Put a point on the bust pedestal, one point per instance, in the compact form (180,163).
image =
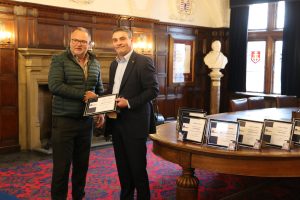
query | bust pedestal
(215,76)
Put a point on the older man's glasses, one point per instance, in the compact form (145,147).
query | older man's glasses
(82,42)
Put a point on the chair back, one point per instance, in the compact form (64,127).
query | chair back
(256,103)
(238,104)
(286,101)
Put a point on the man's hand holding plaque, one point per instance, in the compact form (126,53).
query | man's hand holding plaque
(121,102)
(101,104)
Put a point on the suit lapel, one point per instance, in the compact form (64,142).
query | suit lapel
(129,68)
(112,74)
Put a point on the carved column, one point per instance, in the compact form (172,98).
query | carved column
(215,76)
(187,185)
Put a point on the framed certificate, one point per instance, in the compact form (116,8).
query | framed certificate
(250,133)
(188,112)
(193,128)
(101,104)
(277,133)
(223,134)
(296,132)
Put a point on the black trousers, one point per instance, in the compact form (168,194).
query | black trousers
(130,154)
(71,142)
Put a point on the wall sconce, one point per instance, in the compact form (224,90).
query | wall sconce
(142,45)
(5,36)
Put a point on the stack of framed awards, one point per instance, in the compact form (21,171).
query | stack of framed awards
(193,126)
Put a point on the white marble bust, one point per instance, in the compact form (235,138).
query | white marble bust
(215,59)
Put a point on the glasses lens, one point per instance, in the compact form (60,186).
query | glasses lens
(75,41)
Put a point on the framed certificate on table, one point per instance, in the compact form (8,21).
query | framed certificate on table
(277,133)
(296,132)
(193,128)
(250,133)
(188,112)
(223,134)
(101,104)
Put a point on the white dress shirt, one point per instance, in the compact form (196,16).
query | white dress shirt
(122,63)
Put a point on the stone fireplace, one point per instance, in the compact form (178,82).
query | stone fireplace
(35,98)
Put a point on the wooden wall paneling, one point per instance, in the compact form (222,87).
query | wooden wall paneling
(162,84)
(106,19)
(82,18)
(22,31)
(7,62)
(105,59)
(51,14)
(22,34)
(102,39)
(161,64)
(50,36)
(170,105)
(161,44)
(8,101)
(9,129)
(32,40)
(181,30)
(9,91)
(124,21)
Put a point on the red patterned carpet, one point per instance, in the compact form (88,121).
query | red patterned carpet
(32,181)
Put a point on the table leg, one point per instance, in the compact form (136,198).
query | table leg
(187,185)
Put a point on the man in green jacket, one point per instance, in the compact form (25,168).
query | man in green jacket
(74,77)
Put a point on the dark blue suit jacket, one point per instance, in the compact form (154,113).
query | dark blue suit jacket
(139,86)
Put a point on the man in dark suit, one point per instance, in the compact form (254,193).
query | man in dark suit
(133,77)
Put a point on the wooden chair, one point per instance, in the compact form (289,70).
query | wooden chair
(256,103)
(286,101)
(238,104)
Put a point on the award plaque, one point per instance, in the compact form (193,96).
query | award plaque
(101,104)
(223,134)
(296,132)
(188,112)
(250,133)
(277,133)
(193,128)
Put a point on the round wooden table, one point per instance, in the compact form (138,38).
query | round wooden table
(267,162)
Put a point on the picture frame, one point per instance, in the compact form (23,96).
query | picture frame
(250,133)
(277,133)
(188,112)
(223,134)
(181,60)
(296,131)
(193,128)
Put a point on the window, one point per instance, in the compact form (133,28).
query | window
(265,28)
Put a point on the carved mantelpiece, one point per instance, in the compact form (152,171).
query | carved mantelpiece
(33,71)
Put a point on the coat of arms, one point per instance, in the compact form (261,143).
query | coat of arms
(255,56)
(184,6)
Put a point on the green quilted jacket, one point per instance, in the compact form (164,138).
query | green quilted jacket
(67,83)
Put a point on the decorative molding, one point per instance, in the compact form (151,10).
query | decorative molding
(20,10)
(83,1)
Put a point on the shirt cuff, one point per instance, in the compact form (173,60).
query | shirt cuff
(128,104)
